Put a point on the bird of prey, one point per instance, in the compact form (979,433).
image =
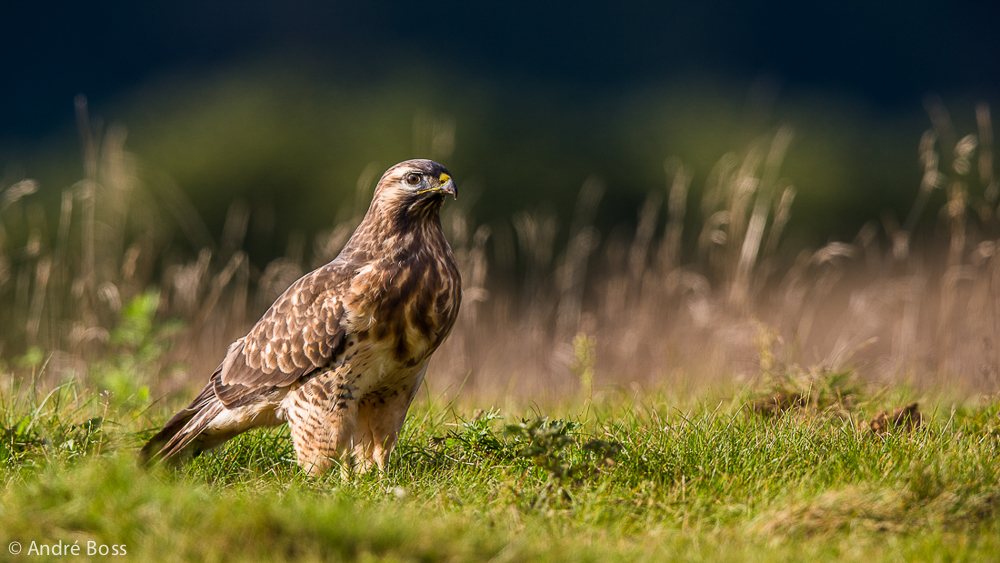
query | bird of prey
(341,353)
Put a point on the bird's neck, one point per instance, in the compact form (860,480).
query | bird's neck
(396,233)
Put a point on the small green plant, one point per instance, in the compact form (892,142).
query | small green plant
(553,447)
(474,442)
(138,347)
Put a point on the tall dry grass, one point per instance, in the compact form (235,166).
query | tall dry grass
(665,304)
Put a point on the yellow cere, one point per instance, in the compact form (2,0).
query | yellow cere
(444,178)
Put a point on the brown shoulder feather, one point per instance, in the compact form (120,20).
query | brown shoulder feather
(300,333)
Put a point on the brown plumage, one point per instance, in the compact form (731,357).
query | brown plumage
(341,353)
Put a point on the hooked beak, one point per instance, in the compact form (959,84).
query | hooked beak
(447,186)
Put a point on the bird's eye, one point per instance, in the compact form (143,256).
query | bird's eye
(413,178)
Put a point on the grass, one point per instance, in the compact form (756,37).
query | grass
(655,479)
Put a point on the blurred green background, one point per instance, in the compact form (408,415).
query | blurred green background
(296,109)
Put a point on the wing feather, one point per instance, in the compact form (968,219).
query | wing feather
(301,332)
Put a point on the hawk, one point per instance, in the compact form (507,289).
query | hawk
(341,353)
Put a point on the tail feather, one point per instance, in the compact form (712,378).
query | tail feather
(184,429)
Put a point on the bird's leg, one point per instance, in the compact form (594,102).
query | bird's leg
(361,453)
(367,448)
(323,419)
(330,440)
(380,419)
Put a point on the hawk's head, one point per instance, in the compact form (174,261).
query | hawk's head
(415,188)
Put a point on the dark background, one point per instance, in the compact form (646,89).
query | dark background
(542,95)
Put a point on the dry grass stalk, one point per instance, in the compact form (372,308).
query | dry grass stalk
(992,189)
(670,253)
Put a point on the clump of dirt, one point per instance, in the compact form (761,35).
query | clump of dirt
(779,403)
(903,419)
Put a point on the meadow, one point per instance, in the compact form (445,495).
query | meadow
(688,387)
(653,478)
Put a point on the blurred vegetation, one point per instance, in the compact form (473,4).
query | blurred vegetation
(296,143)
(602,241)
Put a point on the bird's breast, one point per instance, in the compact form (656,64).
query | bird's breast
(407,304)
